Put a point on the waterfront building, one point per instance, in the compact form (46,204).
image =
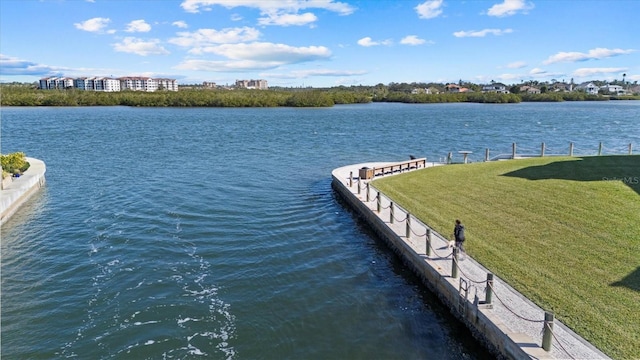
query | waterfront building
(109,84)
(252,84)
(52,83)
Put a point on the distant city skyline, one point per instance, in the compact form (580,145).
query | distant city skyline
(321,43)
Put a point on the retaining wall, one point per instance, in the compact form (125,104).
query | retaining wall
(19,190)
(502,332)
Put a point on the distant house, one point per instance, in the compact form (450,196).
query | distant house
(421,91)
(613,89)
(561,87)
(590,88)
(529,89)
(453,88)
(499,88)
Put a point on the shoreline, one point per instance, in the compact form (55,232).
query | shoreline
(498,327)
(20,190)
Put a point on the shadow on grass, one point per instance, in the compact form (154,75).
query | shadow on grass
(623,168)
(631,281)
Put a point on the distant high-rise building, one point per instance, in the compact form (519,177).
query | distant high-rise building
(252,84)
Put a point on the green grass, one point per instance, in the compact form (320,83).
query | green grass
(564,231)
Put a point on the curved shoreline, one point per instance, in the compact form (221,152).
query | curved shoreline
(20,190)
(496,326)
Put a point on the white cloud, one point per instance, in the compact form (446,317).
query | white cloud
(93,25)
(584,72)
(429,9)
(300,74)
(12,66)
(140,47)
(593,54)
(224,66)
(270,52)
(208,37)
(281,13)
(517,65)
(482,33)
(367,42)
(509,77)
(537,71)
(181,24)
(412,40)
(255,56)
(288,19)
(138,26)
(290,6)
(510,7)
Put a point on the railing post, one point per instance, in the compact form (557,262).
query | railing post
(351,179)
(408,230)
(513,150)
(630,149)
(427,244)
(391,213)
(489,294)
(600,149)
(571,149)
(486,154)
(454,263)
(548,331)
(379,202)
(359,187)
(542,151)
(368,193)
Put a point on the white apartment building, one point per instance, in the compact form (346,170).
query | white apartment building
(140,83)
(252,84)
(108,84)
(56,83)
(97,84)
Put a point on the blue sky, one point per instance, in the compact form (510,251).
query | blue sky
(321,43)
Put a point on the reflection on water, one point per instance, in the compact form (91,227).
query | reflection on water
(214,233)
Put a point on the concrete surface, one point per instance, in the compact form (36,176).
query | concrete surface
(511,326)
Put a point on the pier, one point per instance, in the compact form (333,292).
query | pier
(509,324)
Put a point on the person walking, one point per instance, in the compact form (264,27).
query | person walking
(458,234)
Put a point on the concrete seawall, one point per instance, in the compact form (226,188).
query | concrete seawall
(511,326)
(18,191)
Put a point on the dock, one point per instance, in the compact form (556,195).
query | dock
(507,323)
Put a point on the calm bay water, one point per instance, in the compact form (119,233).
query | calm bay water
(193,233)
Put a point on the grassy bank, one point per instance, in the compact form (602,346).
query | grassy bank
(563,231)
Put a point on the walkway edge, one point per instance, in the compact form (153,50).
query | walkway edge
(497,334)
(21,189)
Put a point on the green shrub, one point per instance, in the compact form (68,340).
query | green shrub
(14,163)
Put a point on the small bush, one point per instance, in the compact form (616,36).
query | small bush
(14,163)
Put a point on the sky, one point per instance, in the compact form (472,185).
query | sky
(322,43)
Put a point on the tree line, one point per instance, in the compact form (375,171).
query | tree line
(21,95)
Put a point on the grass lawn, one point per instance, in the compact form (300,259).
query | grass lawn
(564,231)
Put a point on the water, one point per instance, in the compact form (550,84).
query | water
(214,233)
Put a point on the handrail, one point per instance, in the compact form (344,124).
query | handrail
(400,166)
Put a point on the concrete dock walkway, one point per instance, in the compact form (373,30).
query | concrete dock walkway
(511,325)
(20,189)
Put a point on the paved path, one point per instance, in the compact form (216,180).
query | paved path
(18,191)
(511,310)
